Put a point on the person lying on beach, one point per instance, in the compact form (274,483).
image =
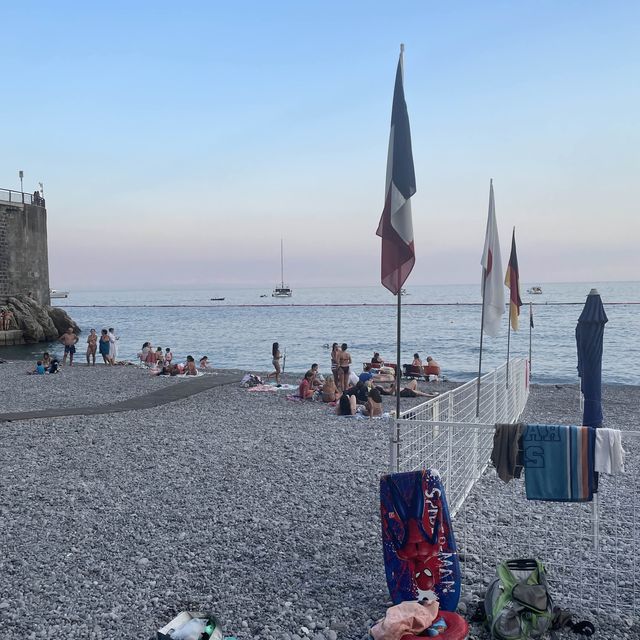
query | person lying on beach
(330,392)
(204,363)
(373,406)
(416,360)
(305,389)
(410,390)
(346,405)
(190,367)
(69,340)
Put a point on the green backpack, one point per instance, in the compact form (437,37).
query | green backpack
(518,605)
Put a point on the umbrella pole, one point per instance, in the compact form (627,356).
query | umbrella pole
(398,369)
(484,282)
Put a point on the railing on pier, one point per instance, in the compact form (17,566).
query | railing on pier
(19,197)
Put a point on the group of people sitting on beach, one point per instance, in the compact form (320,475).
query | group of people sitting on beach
(349,392)
(46,364)
(161,362)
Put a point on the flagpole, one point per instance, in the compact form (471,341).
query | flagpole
(530,327)
(398,366)
(508,345)
(484,285)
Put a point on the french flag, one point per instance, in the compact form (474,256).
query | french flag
(396,227)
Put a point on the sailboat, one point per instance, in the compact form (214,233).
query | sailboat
(283,291)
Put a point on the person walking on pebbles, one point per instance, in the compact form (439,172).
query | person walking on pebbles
(69,340)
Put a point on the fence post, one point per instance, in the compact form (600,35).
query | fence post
(394,445)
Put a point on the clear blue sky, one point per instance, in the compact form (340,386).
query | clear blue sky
(178,142)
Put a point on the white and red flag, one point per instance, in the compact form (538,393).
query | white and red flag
(492,279)
(396,227)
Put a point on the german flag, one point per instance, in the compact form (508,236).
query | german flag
(512,280)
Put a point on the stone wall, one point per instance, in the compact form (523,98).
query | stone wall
(24,258)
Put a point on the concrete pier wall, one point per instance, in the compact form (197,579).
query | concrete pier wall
(24,258)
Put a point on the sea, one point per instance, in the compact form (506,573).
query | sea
(442,321)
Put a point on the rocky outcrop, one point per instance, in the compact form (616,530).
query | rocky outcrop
(38,323)
(61,320)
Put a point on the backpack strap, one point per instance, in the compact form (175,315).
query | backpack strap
(563,619)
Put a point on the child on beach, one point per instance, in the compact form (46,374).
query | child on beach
(168,356)
(92,346)
(204,363)
(159,356)
(39,370)
(190,367)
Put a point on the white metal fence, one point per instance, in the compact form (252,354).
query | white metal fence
(591,550)
(436,433)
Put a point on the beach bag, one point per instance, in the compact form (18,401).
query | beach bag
(518,605)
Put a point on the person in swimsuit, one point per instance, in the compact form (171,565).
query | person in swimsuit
(92,346)
(373,406)
(376,358)
(204,362)
(329,391)
(335,350)
(46,359)
(168,356)
(69,340)
(275,360)
(409,391)
(190,367)
(416,360)
(104,345)
(159,356)
(344,362)
(346,405)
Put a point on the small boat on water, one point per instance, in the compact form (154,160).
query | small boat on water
(54,293)
(283,291)
(403,292)
(536,291)
(217,299)
(263,295)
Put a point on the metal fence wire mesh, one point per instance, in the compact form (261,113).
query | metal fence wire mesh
(591,550)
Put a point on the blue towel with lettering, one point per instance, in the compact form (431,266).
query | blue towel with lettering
(558,462)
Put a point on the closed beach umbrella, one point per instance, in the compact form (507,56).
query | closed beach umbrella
(589,338)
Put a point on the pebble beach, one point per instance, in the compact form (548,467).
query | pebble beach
(262,510)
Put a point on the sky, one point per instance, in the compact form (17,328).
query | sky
(178,142)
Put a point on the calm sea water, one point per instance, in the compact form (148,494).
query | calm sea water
(239,336)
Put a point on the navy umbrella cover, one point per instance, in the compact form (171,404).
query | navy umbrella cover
(589,339)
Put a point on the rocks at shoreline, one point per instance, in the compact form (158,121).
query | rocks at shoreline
(38,323)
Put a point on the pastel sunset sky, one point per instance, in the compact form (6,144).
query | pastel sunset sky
(177,142)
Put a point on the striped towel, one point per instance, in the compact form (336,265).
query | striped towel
(558,462)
